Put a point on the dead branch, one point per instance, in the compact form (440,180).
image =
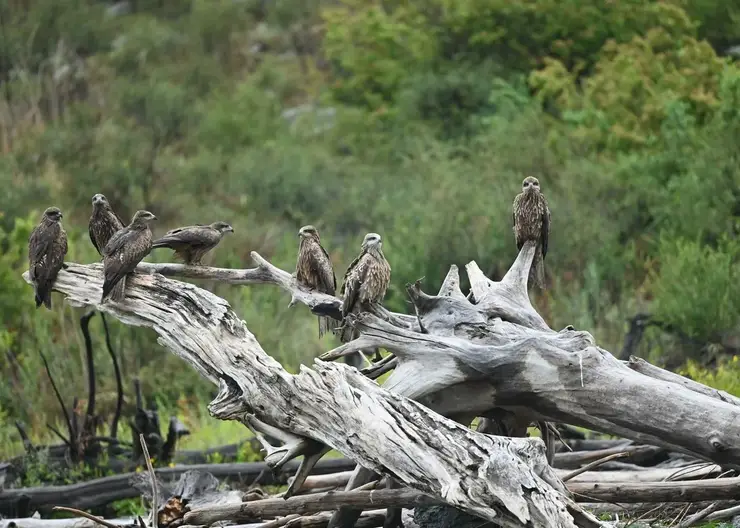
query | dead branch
(98,520)
(643,367)
(153,479)
(315,502)
(687,491)
(592,465)
(119,379)
(67,418)
(88,422)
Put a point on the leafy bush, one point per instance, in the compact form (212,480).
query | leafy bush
(624,103)
(697,288)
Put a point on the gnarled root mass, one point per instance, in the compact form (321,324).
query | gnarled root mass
(489,355)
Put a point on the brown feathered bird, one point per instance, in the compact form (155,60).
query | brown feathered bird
(365,282)
(123,253)
(104,223)
(191,243)
(47,247)
(314,269)
(532,222)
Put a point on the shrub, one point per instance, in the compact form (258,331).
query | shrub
(697,289)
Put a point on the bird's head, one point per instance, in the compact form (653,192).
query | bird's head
(372,241)
(308,231)
(142,218)
(53,214)
(222,227)
(99,200)
(530,184)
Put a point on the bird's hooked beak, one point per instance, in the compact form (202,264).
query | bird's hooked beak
(229,229)
(154,217)
(60,215)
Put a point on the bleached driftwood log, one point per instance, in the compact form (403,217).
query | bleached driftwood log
(495,478)
(474,357)
(463,358)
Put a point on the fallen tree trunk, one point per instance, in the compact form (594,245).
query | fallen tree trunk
(490,356)
(495,478)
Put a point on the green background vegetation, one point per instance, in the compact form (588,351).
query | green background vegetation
(421,119)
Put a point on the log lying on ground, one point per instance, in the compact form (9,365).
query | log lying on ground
(495,478)
(100,492)
(313,503)
(691,491)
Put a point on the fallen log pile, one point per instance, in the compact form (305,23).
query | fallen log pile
(488,354)
(194,500)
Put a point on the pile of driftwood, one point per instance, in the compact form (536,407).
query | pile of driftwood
(488,354)
(630,482)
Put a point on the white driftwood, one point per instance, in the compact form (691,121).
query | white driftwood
(506,479)
(313,503)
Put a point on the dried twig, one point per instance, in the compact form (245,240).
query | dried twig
(119,380)
(59,398)
(89,420)
(698,517)
(86,515)
(594,464)
(153,478)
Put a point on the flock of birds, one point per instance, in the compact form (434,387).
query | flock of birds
(366,280)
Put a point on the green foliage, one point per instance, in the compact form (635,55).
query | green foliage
(726,376)
(374,49)
(624,103)
(697,288)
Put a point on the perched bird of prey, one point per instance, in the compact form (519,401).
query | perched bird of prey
(123,253)
(532,222)
(313,269)
(47,247)
(365,283)
(191,243)
(104,222)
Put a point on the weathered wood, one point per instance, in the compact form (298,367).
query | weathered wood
(99,492)
(643,367)
(686,491)
(493,477)
(553,379)
(574,459)
(315,502)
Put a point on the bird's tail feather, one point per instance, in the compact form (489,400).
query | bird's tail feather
(43,296)
(115,290)
(327,324)
(537,271)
